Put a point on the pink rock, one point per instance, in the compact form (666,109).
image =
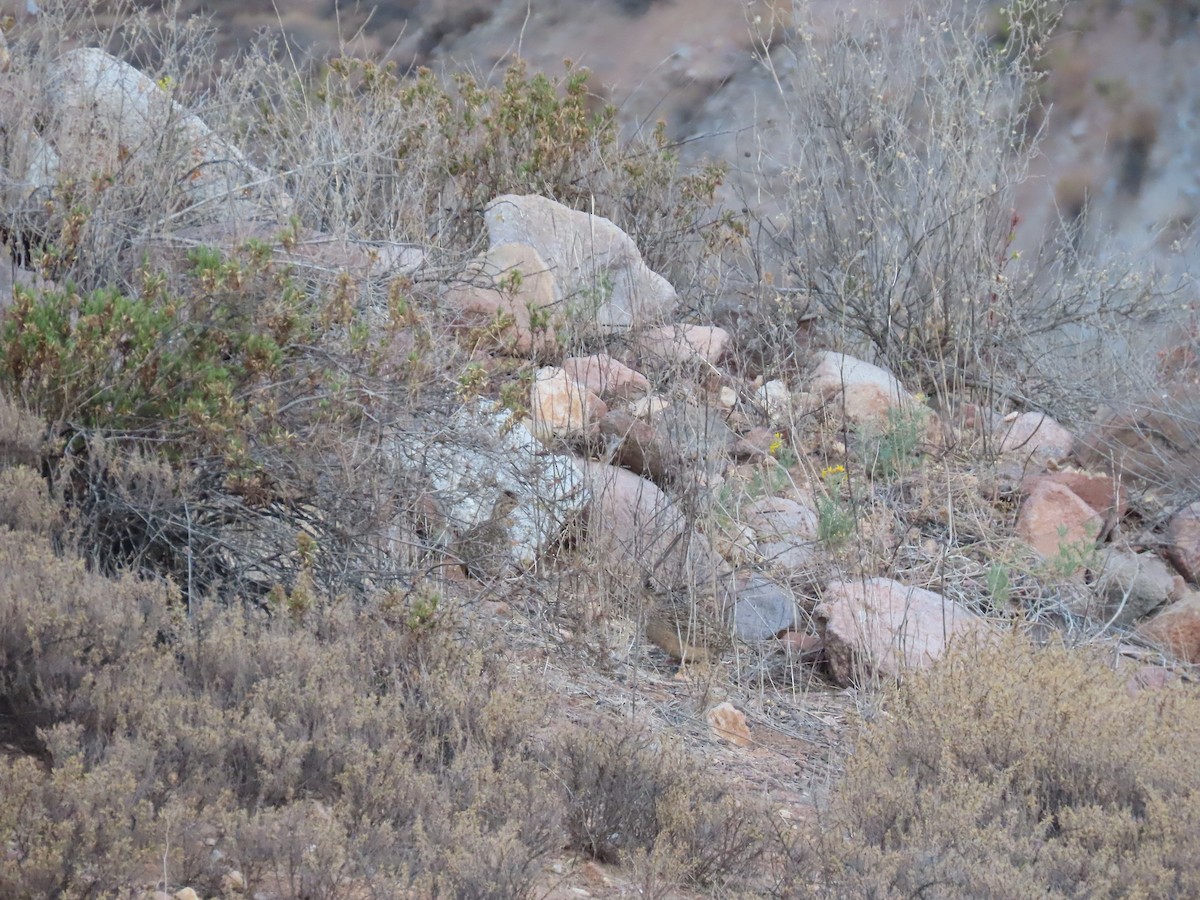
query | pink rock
(561,406)
(1054,516)
(1101,492)
(1177,628)
(864,392)
(836,370)
(507,298)
(879,626)
(1184,535)
(634,530)
(1035,436)
(606,377)
(676,344)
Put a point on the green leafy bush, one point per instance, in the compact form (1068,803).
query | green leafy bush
(161,363)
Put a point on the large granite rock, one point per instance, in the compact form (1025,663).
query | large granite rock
(603,278)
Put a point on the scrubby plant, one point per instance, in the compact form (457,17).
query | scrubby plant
(161,363)
(346,744)
(910,142)
(836,519)
(891,447)
(1009,770)
(418,158)
(630,797)
(1073,556)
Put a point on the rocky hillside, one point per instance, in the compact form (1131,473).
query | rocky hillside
(415,485)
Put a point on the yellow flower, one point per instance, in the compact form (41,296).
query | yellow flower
(832,471)
(776,444)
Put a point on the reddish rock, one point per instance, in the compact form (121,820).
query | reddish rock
(729,724)
(1034,436)
(881,627)
(677,344)
(606,377)
(1184,535)
(560,406)
(1177,628)
(498,297)
(1054,516)
(1101,492)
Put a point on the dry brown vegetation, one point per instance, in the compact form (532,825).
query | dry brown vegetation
(228,642)
(1014,771)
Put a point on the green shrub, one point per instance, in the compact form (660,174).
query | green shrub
(891,447)
(160,364)
(837,505)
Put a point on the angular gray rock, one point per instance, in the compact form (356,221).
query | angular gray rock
(1134,584)
(762,610)
(786,531)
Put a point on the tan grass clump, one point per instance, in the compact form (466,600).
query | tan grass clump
(1013,771)
(634,799)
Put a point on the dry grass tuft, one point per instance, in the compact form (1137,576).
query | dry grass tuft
(1015,771)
